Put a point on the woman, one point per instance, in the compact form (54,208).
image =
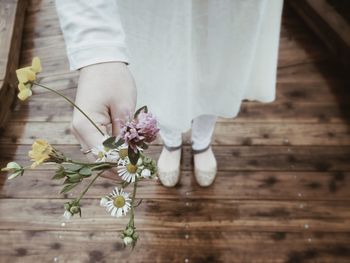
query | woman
(192,61)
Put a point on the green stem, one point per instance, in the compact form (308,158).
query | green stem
(92,164)
(72,103)
(131,222)
(103,165)
(88,186)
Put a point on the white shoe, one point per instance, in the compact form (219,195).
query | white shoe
(169,165)
(205,166)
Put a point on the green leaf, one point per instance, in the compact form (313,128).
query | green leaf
(139,110)
(110,143)
(119,142)
(68,187)
(133,156)
(15,174)
(85,171)
(59,174)
(72,167)
(72,180)
(74,176)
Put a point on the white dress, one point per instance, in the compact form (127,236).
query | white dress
(188,57)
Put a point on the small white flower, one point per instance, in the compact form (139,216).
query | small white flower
(128,240)
(103,201)
(117,203)
(127,171)
(146,173)
(67,215)
(105,155)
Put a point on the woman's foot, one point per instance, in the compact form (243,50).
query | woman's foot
(205,166)
(169,165)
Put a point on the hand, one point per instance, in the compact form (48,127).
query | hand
(106,91)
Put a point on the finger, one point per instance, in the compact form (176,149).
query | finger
(117,116)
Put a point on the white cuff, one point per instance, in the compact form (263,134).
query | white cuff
(97,53)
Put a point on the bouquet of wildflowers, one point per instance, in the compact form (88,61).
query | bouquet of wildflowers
(124,152)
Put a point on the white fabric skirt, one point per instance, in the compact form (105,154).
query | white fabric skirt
(193,57)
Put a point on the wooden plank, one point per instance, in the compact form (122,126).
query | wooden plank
(237,158)
(320,77)
(225,133)
(235,185)
(328,25)
(11,25)
(281,111)
(172,246)
(325,99)
(163,214)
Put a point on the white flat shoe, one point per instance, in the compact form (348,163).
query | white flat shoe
(172,177)
(205,177)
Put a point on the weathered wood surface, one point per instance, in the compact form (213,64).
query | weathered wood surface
(11,27)
(281,195)
(330,26)
(230,158)
(173,246)
(231,185)
(226,133)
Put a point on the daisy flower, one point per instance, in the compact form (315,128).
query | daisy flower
(105,155)
(117,203)
(128,171)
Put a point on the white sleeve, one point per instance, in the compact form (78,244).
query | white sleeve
(92,31)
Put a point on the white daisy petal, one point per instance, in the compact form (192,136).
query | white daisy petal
(119,212)
(118,202)
(114,211)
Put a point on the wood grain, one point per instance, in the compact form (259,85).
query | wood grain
(281,194)
(231,185)
(172,246)
(11,26)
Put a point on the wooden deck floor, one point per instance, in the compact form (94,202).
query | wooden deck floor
(282,192)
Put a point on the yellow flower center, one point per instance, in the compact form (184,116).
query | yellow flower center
(123,153)
(100,155)
(131,168)
(119,201)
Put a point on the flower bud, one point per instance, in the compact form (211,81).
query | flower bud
(135,235)
(128,240)
(129,231)
(103,201)
(146,173)
(153,162)
(67,214)
(67,206)
(147,160)
(74,209)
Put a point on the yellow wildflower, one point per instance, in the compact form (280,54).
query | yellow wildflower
(36,65)
(41,151)
(25,75)
(24,91)
(25,78)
